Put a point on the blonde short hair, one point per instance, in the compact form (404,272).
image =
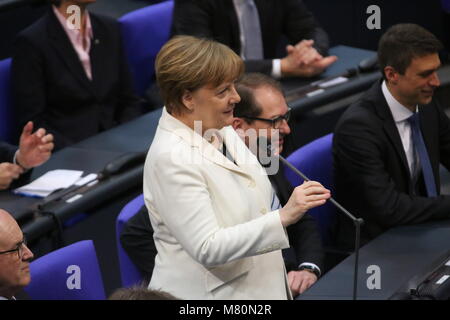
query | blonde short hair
(188,63)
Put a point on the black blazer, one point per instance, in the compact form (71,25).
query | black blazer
(51,88)
(371,170)
(7,152)
(217,19)
(306,246)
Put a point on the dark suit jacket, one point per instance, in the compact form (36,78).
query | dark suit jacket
(371,170)
(51,88)
(137,240)
(7,152)
(306,246)
(217,19)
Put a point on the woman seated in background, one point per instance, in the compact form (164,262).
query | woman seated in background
(208,197)
(72,79)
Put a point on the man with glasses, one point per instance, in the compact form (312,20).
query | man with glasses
(15,258)
(263,108)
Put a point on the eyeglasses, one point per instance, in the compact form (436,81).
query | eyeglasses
(19,249)
(276,123)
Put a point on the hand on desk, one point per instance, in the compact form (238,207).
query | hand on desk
(303,60)
(34,148)
(300,281)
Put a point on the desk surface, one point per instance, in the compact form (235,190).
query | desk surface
(87,160)
(133,136)
(348,58)
(401,253)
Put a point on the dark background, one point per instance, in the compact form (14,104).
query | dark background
(344,20)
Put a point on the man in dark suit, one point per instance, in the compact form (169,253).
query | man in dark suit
(262,98)
(387,146)
(72,79)
(34,149)
(263,111)
(255,30)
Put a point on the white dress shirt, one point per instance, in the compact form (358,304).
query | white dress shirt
(400,113)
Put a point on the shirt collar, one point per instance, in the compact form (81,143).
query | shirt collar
(74,32)
(399,112)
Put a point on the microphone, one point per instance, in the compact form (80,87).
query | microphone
(265,146)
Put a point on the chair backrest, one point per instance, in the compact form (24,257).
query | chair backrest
(315,160)
(69,273)
(144,32)
(6,112)
(129,273)
(446,5)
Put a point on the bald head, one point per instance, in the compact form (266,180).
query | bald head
(8,228)
(14,257)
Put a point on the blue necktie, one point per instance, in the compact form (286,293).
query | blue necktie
(424,159)
(252,31)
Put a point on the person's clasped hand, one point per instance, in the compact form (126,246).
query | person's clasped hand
(303,60)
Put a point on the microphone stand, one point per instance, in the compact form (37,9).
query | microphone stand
(356,221)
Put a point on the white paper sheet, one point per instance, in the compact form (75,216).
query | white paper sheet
(86,179)
(333,82)
(49,182)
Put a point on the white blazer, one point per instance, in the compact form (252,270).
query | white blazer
(215,234)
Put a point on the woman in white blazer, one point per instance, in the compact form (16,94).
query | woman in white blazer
(215,233)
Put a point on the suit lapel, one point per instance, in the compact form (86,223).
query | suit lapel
(99,50)
(245,160)
(393,135)
(62,45)
(389,125)
(205,148)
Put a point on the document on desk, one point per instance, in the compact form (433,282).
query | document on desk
(49,182)
(333,82)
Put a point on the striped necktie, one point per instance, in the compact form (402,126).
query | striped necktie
(253,48)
